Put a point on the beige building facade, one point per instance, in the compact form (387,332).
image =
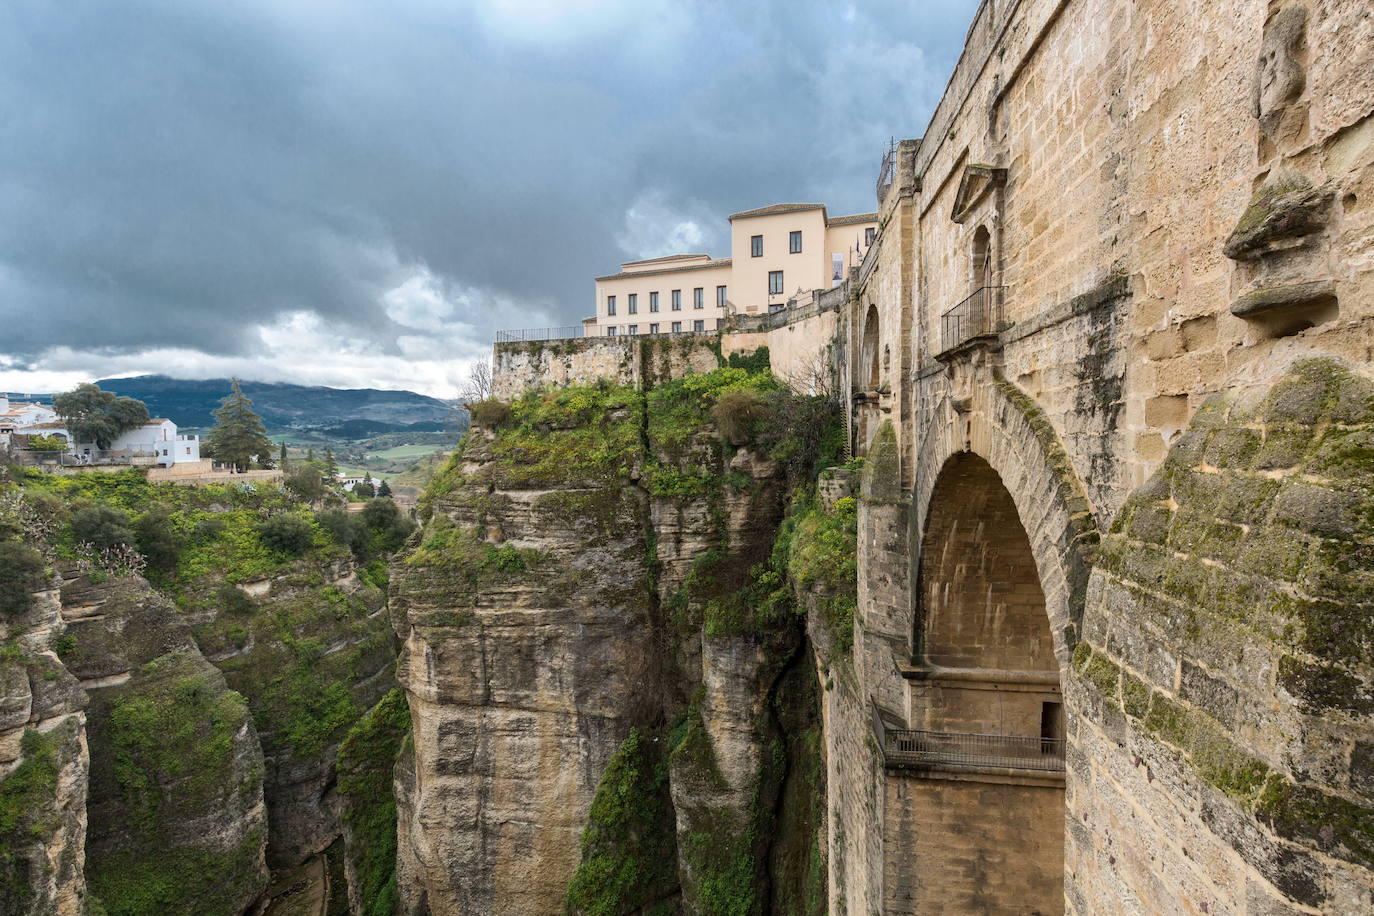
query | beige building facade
(776,253)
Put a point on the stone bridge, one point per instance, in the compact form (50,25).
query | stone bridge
(1110,367)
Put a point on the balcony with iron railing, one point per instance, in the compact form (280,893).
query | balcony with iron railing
(909,747)
(978,315)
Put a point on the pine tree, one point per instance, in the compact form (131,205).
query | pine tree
(310,455)
(384,489)
(238,436)
(281,459)
(331,467)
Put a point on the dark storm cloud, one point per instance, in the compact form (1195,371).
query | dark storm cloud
(176,174)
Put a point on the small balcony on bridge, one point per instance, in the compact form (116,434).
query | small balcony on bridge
(910,748)
(978,316)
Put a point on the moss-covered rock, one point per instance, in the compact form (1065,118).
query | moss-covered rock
(177,824)
(1249,559)
(365,770)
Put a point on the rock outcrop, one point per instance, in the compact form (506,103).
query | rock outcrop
(177,822)
(595,626)
(43,766)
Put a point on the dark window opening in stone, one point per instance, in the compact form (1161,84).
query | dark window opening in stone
(981,260)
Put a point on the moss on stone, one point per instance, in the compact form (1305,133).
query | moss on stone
(28,814)
(881,481)
(366,761)
(1097,669)
(1334,824)
(167,747)
(629,846)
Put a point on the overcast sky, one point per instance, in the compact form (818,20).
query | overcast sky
(359,194)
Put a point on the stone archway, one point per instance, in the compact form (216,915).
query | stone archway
(983,757)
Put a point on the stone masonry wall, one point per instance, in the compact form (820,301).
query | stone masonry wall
(1174,199)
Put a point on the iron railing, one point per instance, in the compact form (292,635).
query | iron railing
(562,333)
(887,172)
(1021,752)
(975,316)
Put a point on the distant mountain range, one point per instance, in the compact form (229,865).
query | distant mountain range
(190,403)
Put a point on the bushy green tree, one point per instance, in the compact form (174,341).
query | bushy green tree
(102,526)
(22,571)
(157,539)
(93,415)
(346,528)
(305,482)
(384,489)
(387,527)
(238,436)
(288,534)
(364,489)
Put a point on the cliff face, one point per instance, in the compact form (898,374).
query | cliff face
(44,761)
(215,693)
(177,820)
(595,629)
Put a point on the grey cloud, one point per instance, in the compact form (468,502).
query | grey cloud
(176,173)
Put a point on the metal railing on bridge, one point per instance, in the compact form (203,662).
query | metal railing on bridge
(568,331)
(908,747)
(976,316)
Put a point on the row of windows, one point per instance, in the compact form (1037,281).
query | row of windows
(794,244)
(656,328)
(698,300)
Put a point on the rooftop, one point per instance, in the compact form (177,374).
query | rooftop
(666,258)
(775,209)
(851,220)
(695,265)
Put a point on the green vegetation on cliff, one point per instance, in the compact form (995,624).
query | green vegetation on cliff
(629,850)
(366,761)
(169,748)
(27,797)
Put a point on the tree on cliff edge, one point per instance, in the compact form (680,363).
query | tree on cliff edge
(93,415)
(239,436)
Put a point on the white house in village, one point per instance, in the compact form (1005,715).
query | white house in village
(157,438)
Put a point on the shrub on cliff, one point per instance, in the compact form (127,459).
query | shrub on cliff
(737,415)
(629,847)
(489,414)
(286,534)
(101,526)
(22,572)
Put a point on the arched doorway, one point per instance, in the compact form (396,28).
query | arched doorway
(869,356)
(985,740)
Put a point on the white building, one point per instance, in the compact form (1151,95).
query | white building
(157,438)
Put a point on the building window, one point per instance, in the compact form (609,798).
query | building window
(720,297)
(677,327)
(677,300)
(774,282)
(698,325)
(632,329)
(698,298)
(869,235)
(794,243)
(610,332)
(756,246)
(653,328)
(634,303)
(653,302)
(610,305)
